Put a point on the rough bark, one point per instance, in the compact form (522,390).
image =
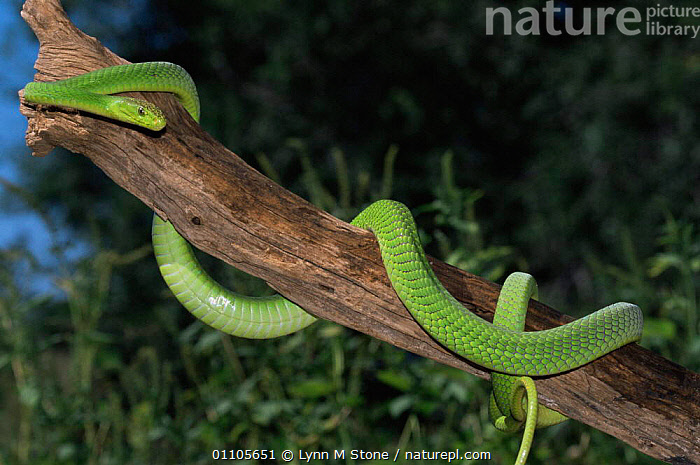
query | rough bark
(227,209)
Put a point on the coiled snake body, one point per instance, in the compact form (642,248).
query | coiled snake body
(504,347)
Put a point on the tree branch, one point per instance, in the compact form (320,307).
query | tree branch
(227,209)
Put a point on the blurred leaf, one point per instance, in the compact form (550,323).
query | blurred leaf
(396,379)
(659,327)
(311,388)
(663,261)
(29,395)
(401,404)
(264,412)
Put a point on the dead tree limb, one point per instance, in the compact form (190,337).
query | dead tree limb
(229,210)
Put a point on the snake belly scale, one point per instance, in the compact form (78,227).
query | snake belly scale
(503,347)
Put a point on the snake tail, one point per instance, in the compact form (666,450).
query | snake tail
(513,403)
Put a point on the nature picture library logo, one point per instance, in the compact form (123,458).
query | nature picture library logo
(658,20)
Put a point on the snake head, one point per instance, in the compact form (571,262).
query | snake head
(138,112)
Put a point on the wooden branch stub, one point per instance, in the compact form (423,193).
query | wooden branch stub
(229,210)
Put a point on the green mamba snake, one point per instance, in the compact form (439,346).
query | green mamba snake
(503,347)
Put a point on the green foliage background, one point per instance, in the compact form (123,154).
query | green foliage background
(573,158)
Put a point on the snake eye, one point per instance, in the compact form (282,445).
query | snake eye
(141,111)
